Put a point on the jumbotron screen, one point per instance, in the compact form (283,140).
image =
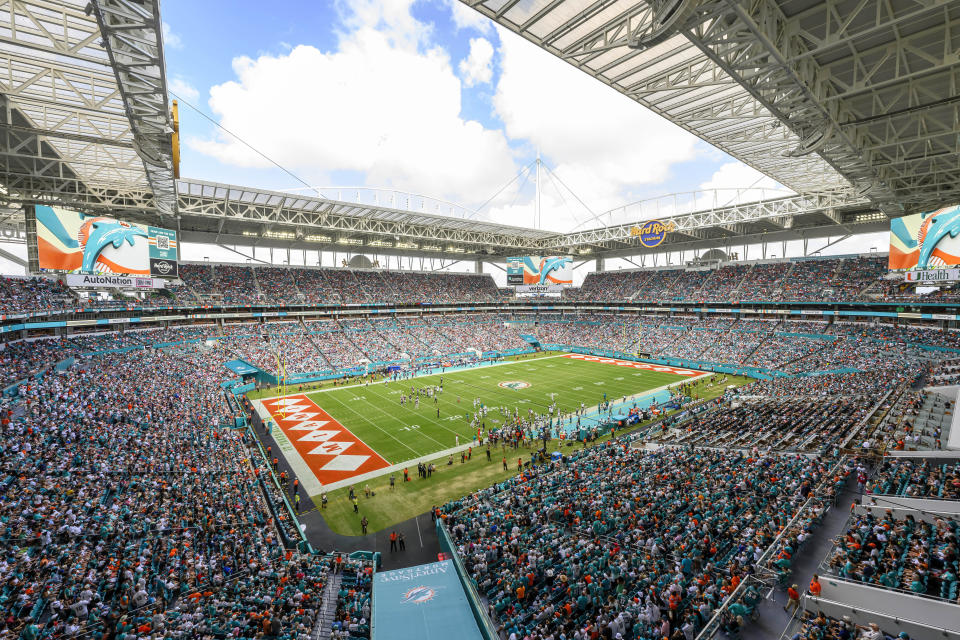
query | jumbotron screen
(76,242)
(926,240)
(540,270)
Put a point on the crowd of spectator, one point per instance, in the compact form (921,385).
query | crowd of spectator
(793,424)
(129,505)
(945,372)
(906,553)
(583,546)
(24,295)
(861,278)
(324,345)
(130,508)
(917,478)
(819,626)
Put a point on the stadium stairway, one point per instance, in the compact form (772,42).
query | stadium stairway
(256,284)
(328,610)
(323,357)
(298,295)
(393,292)
(783,366)
(759,344)
(346,338)
(773,619)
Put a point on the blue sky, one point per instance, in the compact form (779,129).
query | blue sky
(427,97)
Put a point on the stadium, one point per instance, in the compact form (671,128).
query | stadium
(352,413)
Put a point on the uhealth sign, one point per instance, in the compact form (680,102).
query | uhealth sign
(652,232)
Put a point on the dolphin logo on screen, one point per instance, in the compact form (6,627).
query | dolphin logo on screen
(99,233)
(937,227)
(552,264)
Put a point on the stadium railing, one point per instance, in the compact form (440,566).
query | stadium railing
(713,625)
(290,511)
(862,616)
(863,422)
(487,628)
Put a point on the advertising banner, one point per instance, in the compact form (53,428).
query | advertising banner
(926,240)
(540,270)
(541,290)
(933,275)
(76,242)
(75,280)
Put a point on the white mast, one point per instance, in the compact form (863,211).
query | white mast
(536,211)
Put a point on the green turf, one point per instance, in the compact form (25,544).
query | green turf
(388,508)
(271,391)
(400,433)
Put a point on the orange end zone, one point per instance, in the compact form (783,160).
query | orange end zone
(649,366)
(331,451)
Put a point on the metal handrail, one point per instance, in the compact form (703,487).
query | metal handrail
(938,631)
(713,624)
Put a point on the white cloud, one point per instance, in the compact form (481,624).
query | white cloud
(603,145)
(466,18)
(391,18)
(170,39)
(183,88)
(380,104)
(477,67)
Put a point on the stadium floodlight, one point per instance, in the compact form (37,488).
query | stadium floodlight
(279,235)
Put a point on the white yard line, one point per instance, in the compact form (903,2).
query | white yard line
(399,467)
(412,462)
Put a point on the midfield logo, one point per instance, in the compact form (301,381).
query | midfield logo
(516,385)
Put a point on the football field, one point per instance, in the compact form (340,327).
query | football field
(340,434)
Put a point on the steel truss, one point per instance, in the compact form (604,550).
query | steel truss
(65,119)
(132,37)
(233,210)
(729,223)
(817,95)
(217,212)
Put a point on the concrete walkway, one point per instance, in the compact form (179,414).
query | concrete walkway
(773,619)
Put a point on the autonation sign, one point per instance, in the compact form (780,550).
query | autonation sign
(118,282)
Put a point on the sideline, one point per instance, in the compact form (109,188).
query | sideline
(595,416)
